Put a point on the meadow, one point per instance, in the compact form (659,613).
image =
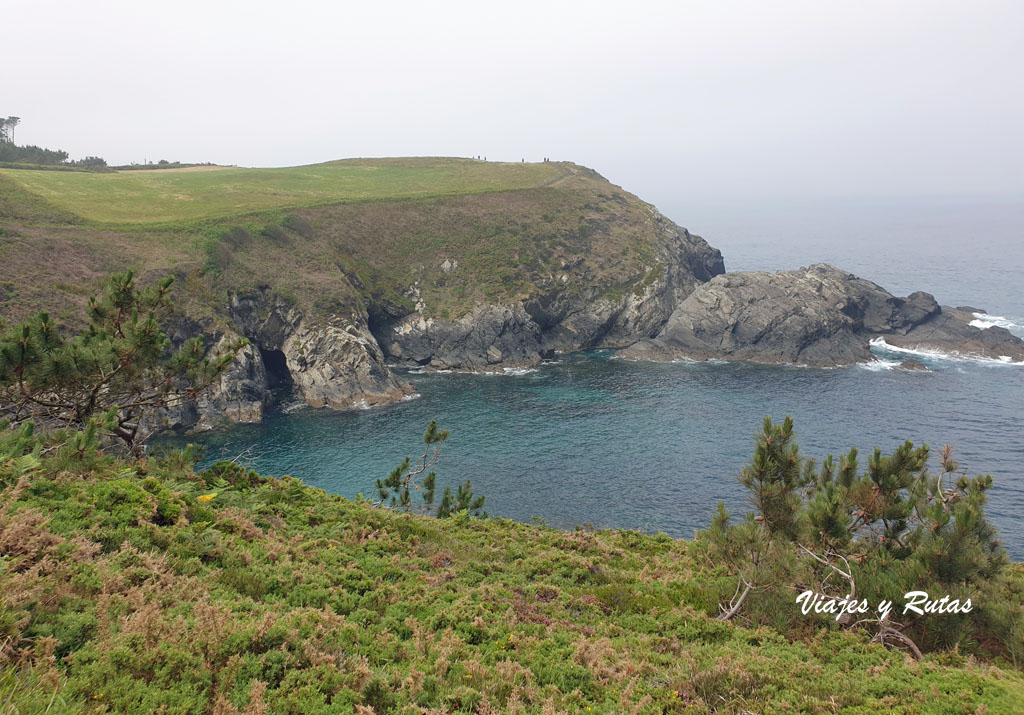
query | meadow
(203,192)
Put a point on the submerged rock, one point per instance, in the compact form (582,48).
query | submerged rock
(912,364)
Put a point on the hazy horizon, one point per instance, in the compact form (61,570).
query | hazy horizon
(676,102)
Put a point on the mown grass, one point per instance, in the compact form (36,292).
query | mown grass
(123,591)
(186,194)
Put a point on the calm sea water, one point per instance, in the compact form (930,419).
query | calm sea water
(589,439)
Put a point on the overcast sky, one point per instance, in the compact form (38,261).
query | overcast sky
(710,100)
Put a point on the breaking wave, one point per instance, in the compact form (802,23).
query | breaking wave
(939,355)
(984,320)
(879,365)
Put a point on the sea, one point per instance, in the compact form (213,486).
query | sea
(595,441)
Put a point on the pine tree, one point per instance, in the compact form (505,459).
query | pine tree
(121,365)
(877,535)
(396,489)
(774,477)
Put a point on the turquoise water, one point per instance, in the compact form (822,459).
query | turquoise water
(589,439)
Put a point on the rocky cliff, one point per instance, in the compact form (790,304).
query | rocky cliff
(569,312)
(324,361)
(343,360)
(819,316)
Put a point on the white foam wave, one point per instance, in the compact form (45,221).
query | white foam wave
(515,371)
(505,371)
(878,365)
(293,406)
(953,356)
(984,321)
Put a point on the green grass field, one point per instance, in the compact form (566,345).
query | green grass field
(161,196)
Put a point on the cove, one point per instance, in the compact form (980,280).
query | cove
(591,440)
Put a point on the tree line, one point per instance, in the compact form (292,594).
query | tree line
(32,154)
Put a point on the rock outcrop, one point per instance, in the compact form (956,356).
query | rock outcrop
(331,361)
(565,316)
(488,335)
(913,365)
(339,364)
(818,316)
(242,392)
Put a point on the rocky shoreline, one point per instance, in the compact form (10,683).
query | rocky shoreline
(818,316)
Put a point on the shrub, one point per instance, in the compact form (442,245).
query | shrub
(222,254)
(274,233)
(296,223)
(236,237)
(396,489)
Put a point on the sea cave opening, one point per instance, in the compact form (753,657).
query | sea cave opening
(279,379)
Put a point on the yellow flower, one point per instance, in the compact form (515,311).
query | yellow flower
(206,497)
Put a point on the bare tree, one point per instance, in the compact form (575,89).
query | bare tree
(7,128)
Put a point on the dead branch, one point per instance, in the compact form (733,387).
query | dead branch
(734,602)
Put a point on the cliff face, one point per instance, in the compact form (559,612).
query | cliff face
(331,361)
(342,360)
(819,316)
(569,312)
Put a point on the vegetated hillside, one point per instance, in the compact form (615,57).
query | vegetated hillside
(145,587)
(323,236)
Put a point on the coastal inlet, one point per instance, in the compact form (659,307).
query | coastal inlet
(587,439)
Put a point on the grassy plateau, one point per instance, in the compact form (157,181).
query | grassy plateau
(165,195)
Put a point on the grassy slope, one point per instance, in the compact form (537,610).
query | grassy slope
(122,592)
(385,224)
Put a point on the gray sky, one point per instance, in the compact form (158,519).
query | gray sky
(704,100)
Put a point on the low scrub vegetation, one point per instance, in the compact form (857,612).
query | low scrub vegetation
(141,585)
